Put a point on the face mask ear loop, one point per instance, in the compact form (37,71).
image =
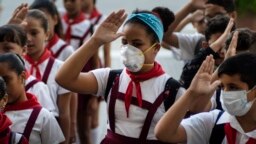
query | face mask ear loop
(149,48)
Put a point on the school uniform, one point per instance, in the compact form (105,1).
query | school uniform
(45,69)
(37,124)
(199,129)
(6,135)
(135,123)
(77,30)
(40,90)
(59,48)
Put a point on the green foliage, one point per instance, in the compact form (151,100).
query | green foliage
(245,6)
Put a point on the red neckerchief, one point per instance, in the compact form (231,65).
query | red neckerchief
(95,13)
(52,42)
(136,79)
(35,64)
(4,129)
(28,104)
(231,135)
(70,22)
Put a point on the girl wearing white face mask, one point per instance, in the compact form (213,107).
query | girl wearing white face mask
(136,98)
(237,125)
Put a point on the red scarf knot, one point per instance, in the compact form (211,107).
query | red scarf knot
(35,64)
(231,135)
(70,22)
(135,80)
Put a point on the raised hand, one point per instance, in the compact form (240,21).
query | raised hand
(198,4)
(232,46)
(107,31)
(220,42)
(201,84)
(19,14)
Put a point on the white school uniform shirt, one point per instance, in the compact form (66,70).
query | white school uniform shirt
(187,44)
(42,93)
(78,29)
(65,53)
(54,88)
(45,131)
(151,89)
(199,127)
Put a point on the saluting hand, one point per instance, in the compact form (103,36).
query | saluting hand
(201,84)
(107,31)
(19,14)
(220,42)
(232,46)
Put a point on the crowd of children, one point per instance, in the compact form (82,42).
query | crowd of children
(52,80)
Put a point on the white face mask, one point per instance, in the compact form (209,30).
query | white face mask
(132,57)
(235,102)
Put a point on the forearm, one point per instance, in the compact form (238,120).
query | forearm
(178,18)
(72,67)
(168,128)
(182,24)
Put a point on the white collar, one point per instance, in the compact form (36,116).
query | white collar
(227,118)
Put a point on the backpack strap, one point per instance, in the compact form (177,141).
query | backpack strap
(48,70)
(89,31)
(31,122)
(31,84)
(60,50)
(218,132)
(111,77)
(171,88)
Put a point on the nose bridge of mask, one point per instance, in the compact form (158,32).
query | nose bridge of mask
(149,48)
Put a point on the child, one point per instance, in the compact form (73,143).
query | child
(59,48)
(235,125)
(44,67)
(13,39)
(6,135)
(136,97)
(37,124)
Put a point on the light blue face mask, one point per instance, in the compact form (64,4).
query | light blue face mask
(236,102)
(152,21)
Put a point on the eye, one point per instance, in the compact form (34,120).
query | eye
(138,45)
(124,41)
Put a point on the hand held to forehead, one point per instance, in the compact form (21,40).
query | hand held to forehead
(107,31)
(219,43)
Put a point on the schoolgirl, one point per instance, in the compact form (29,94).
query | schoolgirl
(37,124)
(13,39)
(6,135)
(138,96)
(43,66)
(58,47)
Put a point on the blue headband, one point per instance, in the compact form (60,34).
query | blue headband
(152,21)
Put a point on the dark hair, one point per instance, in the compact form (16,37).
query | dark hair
(13,33)
(39,15)
(148,29)
(167,16)
(51,9)
(215,25)
(94,2)
(246,38)
(2,87)
(228,5)
(14,61)
(244,65)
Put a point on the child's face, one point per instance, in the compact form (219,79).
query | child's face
(136,35)
(14,82)
(234,83)
(36,35)
(73,7)
(6,47)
